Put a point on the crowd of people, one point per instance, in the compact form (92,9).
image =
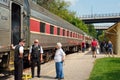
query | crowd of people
(85,46)
(105,47)
(35,56)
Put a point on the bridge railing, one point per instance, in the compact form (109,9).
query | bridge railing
(94,16)
(101,27)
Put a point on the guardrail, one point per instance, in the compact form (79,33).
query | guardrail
(102,27)
(94,16)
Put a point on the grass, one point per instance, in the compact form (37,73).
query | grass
(106,69)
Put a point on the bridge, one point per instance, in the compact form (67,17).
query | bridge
(101,18)
(101,27)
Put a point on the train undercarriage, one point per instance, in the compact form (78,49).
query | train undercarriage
(7,58)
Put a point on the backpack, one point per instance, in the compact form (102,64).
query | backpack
(35,52)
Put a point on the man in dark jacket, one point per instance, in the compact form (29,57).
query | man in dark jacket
(18,59)
(35,57)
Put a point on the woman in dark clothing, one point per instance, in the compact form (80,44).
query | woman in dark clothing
(105,47)
(110,48)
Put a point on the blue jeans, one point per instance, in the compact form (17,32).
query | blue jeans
(59,69)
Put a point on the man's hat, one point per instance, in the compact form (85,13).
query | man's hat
(22,40)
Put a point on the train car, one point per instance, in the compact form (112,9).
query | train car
(25,19)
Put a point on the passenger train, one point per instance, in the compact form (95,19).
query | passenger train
(25,19)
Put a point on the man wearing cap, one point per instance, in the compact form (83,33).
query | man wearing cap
(18,59)
(35,57)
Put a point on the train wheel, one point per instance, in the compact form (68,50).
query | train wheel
(5,60)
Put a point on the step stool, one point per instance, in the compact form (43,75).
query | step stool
(26,77)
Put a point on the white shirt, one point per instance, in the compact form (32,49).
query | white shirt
(41,49)
(21,50)
(59,55)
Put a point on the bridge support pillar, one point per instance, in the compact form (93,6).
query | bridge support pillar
(118,39)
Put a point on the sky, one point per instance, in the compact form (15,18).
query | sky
(88,7)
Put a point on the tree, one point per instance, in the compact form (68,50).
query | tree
(101,37)
(78,23)
(92,31)
(59,7)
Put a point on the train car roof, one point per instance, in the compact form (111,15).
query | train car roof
(44,15)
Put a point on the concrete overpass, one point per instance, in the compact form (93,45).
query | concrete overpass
(101,18)
(101,27)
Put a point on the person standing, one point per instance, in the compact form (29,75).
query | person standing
(87,45)
(102,46)
(105,47)
(59,59)
(83,46)
(110,48)
(94,47)
(18,59)
(35,57)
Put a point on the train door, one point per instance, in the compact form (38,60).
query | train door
(26,21)
(15,23)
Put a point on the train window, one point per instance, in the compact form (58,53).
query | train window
(73,34)
(63,32)
(51,29)
(67,33)
(42,27)
(58,31)
(70,34)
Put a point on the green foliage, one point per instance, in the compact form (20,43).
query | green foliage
(101,37)
(78,23)
(59,7)
(106,69)
(92,31)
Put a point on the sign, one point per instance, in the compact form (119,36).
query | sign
(5,2)
(4,18)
